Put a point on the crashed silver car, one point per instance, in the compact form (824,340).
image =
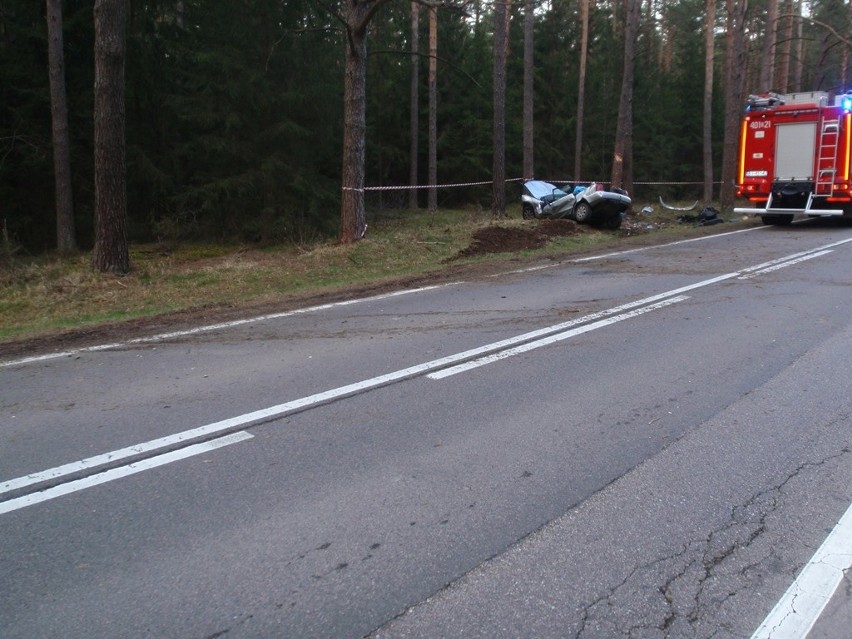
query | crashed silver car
(585,204)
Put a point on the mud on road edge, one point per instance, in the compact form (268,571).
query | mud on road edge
(502,244)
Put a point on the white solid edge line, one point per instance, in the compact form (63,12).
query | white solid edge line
(122,471)
(214,327)
(795,614)
(648,248)
(182,453)
(591,258)
(299,404)
(280,410)
(225,325)
(552,339)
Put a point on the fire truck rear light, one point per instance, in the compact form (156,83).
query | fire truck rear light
(758,199)
(839,199)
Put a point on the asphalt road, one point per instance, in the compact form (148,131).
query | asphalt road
(654,443)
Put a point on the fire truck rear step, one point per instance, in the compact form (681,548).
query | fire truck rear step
(769,210)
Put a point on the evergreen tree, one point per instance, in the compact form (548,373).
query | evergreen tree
(831,41)
(622,160)
(235,119)
(65,236)
(111,253)
(501,44)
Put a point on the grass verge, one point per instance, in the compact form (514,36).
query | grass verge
(44,295)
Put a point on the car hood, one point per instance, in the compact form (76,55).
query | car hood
(538,188)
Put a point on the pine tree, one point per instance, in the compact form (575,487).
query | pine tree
(111,253)
(65,236)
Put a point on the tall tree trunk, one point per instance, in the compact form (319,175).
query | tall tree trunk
(622,157)
(65,235)
(767,65)
(111,252)
(581,89)
(782,81)
(668,34)
(709,51)
(433,109)
(501,45)
(353,216)
(356,17)
(799,61)
(737,11)
(414,128)
(529,71)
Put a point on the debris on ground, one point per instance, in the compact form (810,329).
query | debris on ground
(707,217)
(678,208)
(631,226)
(500,239)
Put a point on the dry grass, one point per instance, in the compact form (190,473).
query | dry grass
(42,295)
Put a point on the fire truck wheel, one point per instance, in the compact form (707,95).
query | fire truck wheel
(583,213)
(777,220)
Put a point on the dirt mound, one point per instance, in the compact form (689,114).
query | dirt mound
(559,228)
(499,239)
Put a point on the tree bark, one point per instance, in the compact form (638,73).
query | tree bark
(111,249)
(432,196)
(501,45)
(709,51)
(353,216)
(767,66)
(414,128)
(529,72)
(737,11)
(581,89)
(799,62)
(782,75)
(622,158)
(65,233)
(356,17)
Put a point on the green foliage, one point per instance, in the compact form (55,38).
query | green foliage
(825,58)
(233,142)
(234,110)
(24,135)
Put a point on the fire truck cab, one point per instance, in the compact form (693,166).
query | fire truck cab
(794,156)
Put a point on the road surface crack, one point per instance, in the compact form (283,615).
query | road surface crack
(682,593)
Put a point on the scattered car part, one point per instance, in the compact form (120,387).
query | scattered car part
(677,208)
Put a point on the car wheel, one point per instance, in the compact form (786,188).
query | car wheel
(528,212)
(583,213)
(612,222)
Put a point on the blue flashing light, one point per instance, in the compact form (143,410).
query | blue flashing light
(846,103)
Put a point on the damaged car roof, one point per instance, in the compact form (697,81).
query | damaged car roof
(540,188)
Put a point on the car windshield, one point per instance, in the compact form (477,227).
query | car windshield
(542,190)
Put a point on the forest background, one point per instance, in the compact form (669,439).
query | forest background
(235,109)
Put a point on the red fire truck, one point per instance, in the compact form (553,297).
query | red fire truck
(794,156)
